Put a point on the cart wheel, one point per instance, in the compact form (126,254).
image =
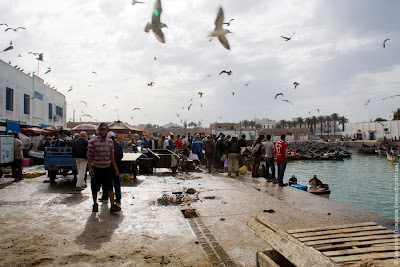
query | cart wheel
(1,173)
(174,169)
(52,175)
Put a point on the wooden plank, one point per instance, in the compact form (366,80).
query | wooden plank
(314,238)
(293,250)
(338,231)
(354,244)
(375,256)
(131,156)
(341,240)
(358,251)
(333,227)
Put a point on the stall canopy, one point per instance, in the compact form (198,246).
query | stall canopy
(88,128)
(34,131)
(53,129)
(122,128)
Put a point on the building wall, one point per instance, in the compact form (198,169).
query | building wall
(266,123)
(373,130)
(39,95)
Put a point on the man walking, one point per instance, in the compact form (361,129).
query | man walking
(118,155)
(18,157)
(256,152)
(269,159)
(209,147)
(281,158)
(79,153)
(101,163)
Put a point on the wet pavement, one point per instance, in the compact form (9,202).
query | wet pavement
(45,224)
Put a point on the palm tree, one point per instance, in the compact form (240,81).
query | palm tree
(282,123)
(335,118)
(245,123)
(258,126)
(343,120)
(300,121)
(252,124)
(314,122)
(307,122)
(328,120)
(321,120)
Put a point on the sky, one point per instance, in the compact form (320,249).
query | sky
(336,55)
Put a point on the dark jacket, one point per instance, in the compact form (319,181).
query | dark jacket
(242,143)
(118,153)
(233,146)
(79,148)
(209,147)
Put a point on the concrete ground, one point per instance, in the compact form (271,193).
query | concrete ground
(52,225)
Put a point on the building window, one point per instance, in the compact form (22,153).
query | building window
(50,111)
(59,111)
(9,99)
(26,103)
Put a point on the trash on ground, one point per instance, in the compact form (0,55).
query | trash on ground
(269,210)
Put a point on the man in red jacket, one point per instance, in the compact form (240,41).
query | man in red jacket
(281,158)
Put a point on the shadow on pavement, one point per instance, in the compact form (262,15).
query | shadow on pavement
(99,228)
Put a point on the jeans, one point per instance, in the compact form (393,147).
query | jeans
(81,165)
(281,171)
(270,163)
(209,159)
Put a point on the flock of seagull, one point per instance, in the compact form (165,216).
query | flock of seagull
(156,27)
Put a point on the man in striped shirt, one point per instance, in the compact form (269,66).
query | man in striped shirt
(101,163)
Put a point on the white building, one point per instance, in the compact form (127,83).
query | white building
(266,123)
(26,101)
(373,130)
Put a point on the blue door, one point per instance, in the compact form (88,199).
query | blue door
(14,126)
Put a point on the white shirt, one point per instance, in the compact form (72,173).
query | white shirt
(269,149)
(165,144)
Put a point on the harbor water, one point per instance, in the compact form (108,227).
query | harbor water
(363,181)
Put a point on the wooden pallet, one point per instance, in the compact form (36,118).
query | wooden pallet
(351,243)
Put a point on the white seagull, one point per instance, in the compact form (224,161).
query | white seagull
(219,31)
(156,25)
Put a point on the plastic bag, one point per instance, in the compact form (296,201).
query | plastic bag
(195,157)
(223,157)
(243,170)
(226,163)
(190,156)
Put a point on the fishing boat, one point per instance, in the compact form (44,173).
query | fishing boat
(368,149)
(320,190)
(393,155)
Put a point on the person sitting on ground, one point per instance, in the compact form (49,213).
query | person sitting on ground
(293,180)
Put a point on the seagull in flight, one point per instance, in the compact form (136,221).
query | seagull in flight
(5,24)
(287,101)
(227,72)
(48,70)
(156,25)
(288,38)
(233,93)
(94,72)
(366,103)
(247,84)
(384,43)
(208,75)
(103,105)
(135,109)
(134,2)
(278,94)
(228,23)
(189,106)
(15,29)
(393,96)
(295,84)
(87,115)
(177,114)
(116,97)
(70,89)
(84,102)
(155,58)
(150,84)
(219,31)
(318,110)
(8,48)
(200,94)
